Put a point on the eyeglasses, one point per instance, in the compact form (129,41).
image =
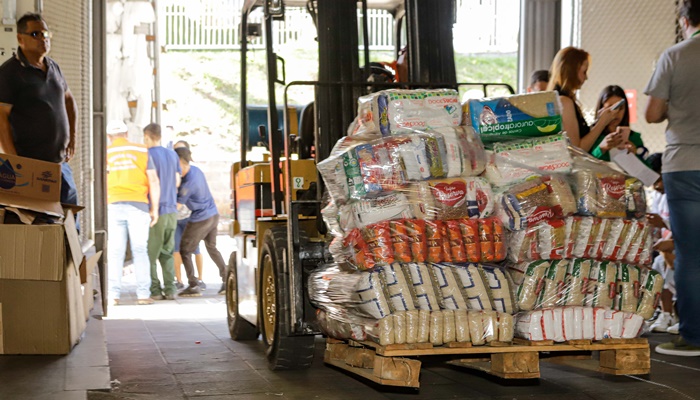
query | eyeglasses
(39,34)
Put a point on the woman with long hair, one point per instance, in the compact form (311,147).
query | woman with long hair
(617,133)
(569,72)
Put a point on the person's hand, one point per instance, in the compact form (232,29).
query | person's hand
(664,245)
(606,115)
(610,141)
(70,150)
(154,218)
(656,221)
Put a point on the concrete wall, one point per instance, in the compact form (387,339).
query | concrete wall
(625,39)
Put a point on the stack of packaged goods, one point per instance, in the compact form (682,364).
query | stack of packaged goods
(412,221)
(579,248)
(436,239)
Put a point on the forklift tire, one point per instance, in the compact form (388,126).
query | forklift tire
(283,351)
(238,328)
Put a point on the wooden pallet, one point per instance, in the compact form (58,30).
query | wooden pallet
(393,365)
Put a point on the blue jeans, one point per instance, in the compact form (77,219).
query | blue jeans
(69,192)
(683,195)
(127,222)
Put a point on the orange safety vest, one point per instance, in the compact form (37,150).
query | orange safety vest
(126,172)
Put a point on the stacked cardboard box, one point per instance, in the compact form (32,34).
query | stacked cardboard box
(43,307)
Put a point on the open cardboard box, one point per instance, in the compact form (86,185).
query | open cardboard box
(43,307)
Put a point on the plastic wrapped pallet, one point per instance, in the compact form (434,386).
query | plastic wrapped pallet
(516,116)
(389,112)
(516,161)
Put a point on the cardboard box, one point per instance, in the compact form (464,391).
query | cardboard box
(30,184)
(88,280)
(42,301)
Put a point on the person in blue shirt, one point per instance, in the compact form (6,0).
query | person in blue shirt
(202,225)
(161,238)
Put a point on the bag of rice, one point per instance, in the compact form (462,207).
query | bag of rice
(577,282)
(533,281)
(652,286)
(424,285)
(474,286)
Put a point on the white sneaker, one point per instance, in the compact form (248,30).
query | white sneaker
(673,329)
(662,322)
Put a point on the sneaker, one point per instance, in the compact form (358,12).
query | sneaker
(169,297)
(158,297)
(201,284)
(179,285)
(678,347)
(223,289)
(662,322)
(192,291)
(674,329)
(145,302)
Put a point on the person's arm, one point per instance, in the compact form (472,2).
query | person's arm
(72,112)
(154,194)
(656,111)
(569,121)
(178,179)
(604,117)
(7,143)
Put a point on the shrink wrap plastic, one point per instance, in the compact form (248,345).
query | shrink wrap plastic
(575,323)
(519,160)
(513,117)
(402,303)
(395,111)
(606,285)
(583,237)
(359,169)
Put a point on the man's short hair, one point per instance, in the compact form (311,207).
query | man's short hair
(541,75)
(22,23)
(184,154)
(152,131)
(691,10)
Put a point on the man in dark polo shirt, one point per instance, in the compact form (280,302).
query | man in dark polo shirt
(37,110)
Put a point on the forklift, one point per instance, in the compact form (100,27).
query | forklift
(277,226)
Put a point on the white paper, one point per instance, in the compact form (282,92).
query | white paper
(634,166)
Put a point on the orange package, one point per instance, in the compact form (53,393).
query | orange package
(470,235)
(486,240)
(457,250)
(363,257)
(378,239)
(434,241)
(400,241)
(446,252)
(416,232)
(499,247)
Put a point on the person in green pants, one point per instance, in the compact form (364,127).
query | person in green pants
(161,238)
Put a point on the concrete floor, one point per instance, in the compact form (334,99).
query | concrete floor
(181,350)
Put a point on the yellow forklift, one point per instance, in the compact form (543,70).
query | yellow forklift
(279,234)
